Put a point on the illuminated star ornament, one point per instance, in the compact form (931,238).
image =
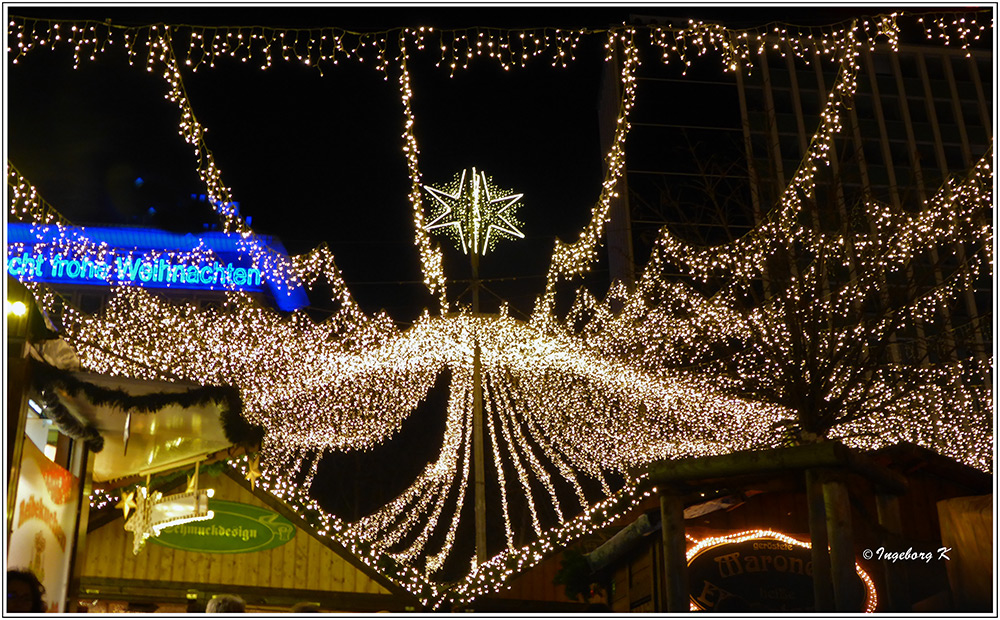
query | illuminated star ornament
(474,211)
(253,471)
(127,503)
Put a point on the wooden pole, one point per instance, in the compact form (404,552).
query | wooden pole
(674,551)
(78,556)
(897,585)
(838,527)
(19,380)
(479,462)
(822,585)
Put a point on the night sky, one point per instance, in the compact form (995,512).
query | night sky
(313,159)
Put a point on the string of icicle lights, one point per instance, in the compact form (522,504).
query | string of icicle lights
(570,401)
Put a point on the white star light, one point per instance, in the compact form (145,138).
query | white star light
(474,212)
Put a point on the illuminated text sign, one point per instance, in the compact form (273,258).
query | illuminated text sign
(143,270)
(234,528)
(759,572)
(103,256)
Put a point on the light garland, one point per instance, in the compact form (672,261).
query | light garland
(575,258)
(569,400)
(431,258)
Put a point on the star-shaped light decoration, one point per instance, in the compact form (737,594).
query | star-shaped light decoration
(139,525)
(253,471)
(127,503)
(474,211)
(155,512)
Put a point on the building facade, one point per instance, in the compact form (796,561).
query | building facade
(712,172)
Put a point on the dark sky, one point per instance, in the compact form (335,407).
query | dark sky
(314,158)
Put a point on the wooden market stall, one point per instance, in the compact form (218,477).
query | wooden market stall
(165,546)
(304,567)
(719,505)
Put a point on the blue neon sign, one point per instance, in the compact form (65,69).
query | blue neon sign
(141,256)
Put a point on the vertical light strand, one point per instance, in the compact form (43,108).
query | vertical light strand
(431,258)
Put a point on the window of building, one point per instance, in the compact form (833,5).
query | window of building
(908,65)
(754,97)
(91,303)
(872,148)
(959,68)
(985,68)
(917,107)
(945,113)
(972,118)
(789,145)
(782,99)
(900,153)
(954,157)
(881,64)
(890,105)
(811,105)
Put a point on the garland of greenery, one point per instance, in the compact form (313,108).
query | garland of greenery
(163,481)
(68,423)
(235,427)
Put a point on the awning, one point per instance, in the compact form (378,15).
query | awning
(139,427)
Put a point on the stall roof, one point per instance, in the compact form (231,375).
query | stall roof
(138,443)
(137,427)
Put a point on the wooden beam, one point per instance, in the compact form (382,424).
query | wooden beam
(822,585)
(674,551)
(78,554)
(825,454)
(139,590)
(838,528)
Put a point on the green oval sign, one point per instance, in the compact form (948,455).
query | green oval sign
(235,528)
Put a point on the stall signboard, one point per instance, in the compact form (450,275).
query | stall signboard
(760,573)
(235,528)
(103,256)
(42,535)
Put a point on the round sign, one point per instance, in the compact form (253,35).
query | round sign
(235,528)
(760,571)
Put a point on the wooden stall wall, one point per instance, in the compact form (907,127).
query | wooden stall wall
(636,585)
(302,564)
(532,591)
(967,530)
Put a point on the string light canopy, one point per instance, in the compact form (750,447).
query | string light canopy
(571,400)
